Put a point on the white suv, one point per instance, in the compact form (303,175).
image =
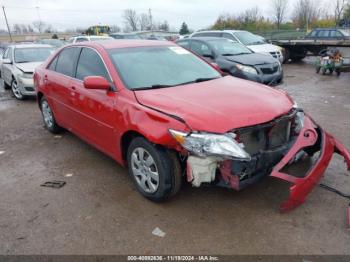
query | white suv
(253,42)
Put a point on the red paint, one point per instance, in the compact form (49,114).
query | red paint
(104,117)
(96,82)
(303,186)
(225,171)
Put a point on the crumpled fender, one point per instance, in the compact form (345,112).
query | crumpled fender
(303,186)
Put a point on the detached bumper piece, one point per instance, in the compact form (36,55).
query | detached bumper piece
(311,138)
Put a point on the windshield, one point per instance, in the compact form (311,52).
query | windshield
(35,54)
(162,66)
(229,48)
(345,33)
(247,38)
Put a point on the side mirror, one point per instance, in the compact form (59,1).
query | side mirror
(96,82)
(6,61)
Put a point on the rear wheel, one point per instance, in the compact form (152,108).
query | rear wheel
(48,117)
(155,170)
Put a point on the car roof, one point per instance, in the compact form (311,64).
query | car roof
(111,44)
(123,34)
(18,46)
(215,31)
(206,38)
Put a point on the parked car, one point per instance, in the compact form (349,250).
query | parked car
(125,36)
(328,34)
(163,112)
(53,42)
(253,42)
(236,59)
(88,38)
(17,66)
(156,37)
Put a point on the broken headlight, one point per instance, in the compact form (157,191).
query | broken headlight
(205,144)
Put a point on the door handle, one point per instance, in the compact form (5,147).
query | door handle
(45,80)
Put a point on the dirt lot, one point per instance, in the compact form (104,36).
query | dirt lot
(98,211)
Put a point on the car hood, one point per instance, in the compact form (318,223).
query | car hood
(28,67)
(219,105)
(264,48)
(252,59)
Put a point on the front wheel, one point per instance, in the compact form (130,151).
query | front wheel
(48,117)
(16,91)
(155,170)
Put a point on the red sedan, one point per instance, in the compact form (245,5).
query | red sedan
(167,114)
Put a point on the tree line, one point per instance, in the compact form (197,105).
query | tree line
(288,15)
(284,15)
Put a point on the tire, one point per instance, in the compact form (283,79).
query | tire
(16,92)
(155,171)
(48,117)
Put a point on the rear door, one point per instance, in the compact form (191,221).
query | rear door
(58,84)
(94,108)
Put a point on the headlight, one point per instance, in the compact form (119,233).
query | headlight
(247,69)
(205,144)
(26,75)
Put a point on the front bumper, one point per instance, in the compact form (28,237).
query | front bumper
(26,86)
(311,138)
(267,79)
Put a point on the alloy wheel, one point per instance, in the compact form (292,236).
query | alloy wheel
(144,170)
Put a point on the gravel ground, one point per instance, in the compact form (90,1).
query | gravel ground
(99,211)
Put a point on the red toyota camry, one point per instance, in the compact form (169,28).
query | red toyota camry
(167,114)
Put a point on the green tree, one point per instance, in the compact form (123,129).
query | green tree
(184,29)
(346,14)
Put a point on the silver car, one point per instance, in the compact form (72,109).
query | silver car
(17,66)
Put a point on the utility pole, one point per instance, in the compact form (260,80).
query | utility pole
(150,18)
(8,28)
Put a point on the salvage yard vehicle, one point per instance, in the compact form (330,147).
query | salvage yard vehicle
(87,38)
(253,42)
(164,112)
(18,64)
(236,59)
(125,36)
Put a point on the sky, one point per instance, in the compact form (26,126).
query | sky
(63,14)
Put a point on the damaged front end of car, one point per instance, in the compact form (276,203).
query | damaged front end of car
(243,156)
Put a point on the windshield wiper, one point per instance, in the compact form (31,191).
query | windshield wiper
(156,86)
(198,80)
(235,54)
(19,62)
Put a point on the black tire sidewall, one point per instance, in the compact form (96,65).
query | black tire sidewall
(164,166)
(55,128)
